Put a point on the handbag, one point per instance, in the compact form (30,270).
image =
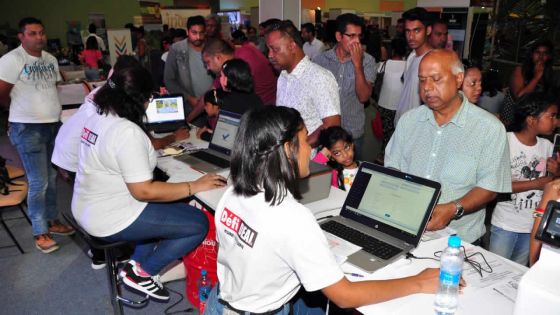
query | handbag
(378,82)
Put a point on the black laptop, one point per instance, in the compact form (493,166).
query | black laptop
(385,213)
(217,156)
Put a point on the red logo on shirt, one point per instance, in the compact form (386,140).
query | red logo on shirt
(245,233)
(89,136)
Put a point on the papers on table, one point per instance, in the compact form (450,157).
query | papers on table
(341,247)
(433,235)
(502,270)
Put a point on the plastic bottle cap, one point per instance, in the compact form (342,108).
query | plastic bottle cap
(203,271)
(454,241)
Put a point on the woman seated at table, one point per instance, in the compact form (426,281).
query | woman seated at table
(271,245)
(115,197)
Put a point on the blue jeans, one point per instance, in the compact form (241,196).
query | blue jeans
(213,307)
(35,144)
(163,233)
(511,245)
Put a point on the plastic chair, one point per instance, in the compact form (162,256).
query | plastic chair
(16,197)
(110,250)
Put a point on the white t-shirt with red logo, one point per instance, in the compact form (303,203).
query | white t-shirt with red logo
(267,252)
(113,152)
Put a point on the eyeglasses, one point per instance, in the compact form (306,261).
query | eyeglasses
(352,36)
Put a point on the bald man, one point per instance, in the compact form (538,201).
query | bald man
(454,142)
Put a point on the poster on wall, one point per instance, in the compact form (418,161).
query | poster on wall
(177,18)
(120,43)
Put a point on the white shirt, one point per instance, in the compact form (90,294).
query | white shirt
(312,90)
(410,94)
(527,163)
(348,175)
(314,48)
(267,252)
(392,84)
(34,95)
(113,152)
(67,143)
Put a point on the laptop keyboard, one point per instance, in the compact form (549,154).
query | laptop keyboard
(205,156)
(368,243)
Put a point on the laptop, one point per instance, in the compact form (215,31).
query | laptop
(385,213)
(165,113)
(217,156)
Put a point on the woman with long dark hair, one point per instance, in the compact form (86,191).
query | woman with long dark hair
(115,197)
(536,73)
(271,245)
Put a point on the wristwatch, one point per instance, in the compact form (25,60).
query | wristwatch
(459,210)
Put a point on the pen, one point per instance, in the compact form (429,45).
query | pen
(354,274)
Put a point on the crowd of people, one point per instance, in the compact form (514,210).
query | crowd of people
(301,100)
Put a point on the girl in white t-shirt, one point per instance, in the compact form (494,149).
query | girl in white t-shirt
(115,197)
(270,244)
(532,166)
(338,152)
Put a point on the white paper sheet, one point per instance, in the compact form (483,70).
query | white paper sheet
(341,247)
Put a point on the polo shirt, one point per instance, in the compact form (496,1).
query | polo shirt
(352,110)
(312,90)
(469,151)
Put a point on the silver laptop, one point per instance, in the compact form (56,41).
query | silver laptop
(166,113)
(385,213)
(217,156)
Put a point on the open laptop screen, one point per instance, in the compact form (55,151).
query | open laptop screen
(168,108)
(393,202)
(224,134)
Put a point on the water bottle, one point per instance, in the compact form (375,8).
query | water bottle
(204,288)
(447,296)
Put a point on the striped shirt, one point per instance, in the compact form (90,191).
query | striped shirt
(469,151)
(352,110)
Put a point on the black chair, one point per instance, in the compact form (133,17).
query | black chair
(110,250)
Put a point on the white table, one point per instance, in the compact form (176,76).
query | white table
(474,300)
(477,298)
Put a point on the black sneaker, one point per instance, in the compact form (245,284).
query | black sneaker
(148,285)
(98,263)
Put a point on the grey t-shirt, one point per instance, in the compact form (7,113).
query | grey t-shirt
(200,80)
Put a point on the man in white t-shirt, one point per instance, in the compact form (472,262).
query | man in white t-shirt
(417,29)
(303,85)
(312,46)
(28,77)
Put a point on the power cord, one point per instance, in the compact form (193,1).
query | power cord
(479,267)
(181,298)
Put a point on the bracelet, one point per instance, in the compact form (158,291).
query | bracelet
(189,185)
(540,210)
(537,214)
